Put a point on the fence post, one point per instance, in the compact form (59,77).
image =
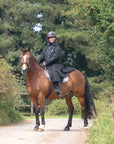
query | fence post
(31,108)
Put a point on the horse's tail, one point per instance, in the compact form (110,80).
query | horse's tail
(89,102)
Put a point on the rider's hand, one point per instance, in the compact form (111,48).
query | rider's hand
(44,64)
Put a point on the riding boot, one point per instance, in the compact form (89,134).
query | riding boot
(58,89)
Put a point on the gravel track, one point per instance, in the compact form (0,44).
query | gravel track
(22,133)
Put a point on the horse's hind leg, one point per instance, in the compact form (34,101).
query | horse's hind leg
(70,109)
(84,114)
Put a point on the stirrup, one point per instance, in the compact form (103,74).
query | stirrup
(58,92)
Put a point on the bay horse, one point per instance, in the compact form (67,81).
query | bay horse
(38,87)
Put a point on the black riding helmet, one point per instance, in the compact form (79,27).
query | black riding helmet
(51,34)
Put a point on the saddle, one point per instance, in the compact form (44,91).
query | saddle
(48,76)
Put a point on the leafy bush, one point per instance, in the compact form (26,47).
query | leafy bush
(59,107)
(8,92)
(101,89)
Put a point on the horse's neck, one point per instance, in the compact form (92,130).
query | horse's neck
(35,69)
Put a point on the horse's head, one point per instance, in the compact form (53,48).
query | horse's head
(25,60)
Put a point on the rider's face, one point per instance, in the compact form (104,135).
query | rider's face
(51,39)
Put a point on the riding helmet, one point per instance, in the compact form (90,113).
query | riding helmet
(51,34)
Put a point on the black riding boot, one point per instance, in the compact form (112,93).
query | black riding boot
(58,89)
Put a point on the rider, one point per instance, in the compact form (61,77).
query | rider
(52,55)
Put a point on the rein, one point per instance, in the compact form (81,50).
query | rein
(26,64)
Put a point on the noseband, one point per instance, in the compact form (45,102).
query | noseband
(26,64)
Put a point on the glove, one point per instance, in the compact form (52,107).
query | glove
(44,64)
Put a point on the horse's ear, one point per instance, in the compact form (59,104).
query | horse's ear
(28,49)
(22,50)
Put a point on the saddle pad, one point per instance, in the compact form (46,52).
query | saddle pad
(47,75)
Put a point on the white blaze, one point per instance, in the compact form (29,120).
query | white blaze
(24,65)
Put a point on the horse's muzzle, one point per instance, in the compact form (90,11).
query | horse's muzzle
(23,71)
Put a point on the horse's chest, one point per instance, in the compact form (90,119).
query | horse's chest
(29,89)
(32,89)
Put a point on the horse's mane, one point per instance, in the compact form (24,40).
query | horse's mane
(24,52)
(35,61)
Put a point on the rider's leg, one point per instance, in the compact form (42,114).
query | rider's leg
(58,88)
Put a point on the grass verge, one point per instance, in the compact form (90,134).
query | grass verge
(102,131)
(54,116)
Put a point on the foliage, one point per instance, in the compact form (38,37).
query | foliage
(17,20)
(102,130)
(59,107)
(101,89)
(8,92)
(95,18)
(84,30)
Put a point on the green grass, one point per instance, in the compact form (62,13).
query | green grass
(102,131)
(52,117)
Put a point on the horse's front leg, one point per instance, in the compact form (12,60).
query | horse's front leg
(35,109)
(42,112)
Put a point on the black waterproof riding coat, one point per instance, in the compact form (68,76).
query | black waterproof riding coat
(52,55)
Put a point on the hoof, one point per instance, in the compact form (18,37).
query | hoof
(85,128)
(66,129)
(36,128)
(40,130)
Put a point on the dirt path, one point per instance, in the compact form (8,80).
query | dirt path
(23,133)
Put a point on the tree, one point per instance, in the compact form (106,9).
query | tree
(93,21)
(17,20)
(84,30)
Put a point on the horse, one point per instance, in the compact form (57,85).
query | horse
(38,87)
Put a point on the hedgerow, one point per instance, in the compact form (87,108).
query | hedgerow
(59,107)
(8,93)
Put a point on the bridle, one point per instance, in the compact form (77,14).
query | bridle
(26,64)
